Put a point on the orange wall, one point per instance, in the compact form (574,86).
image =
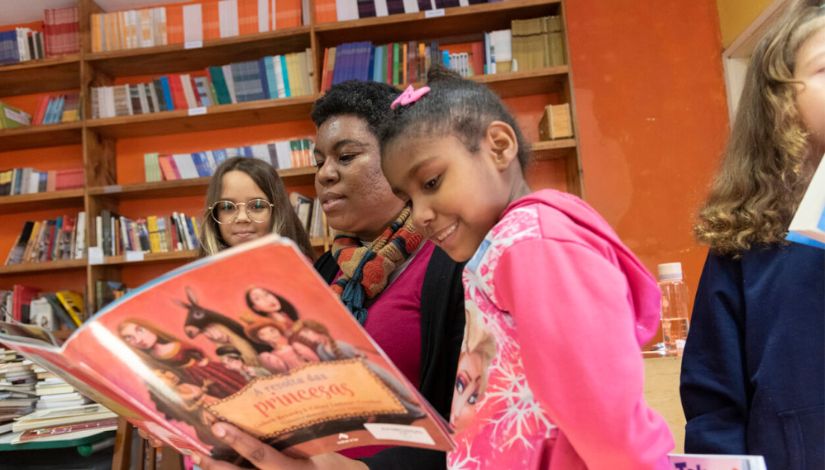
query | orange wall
(651,116)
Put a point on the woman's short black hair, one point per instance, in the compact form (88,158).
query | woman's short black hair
(369,101)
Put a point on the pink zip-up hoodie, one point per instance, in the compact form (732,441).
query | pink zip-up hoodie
(551,375)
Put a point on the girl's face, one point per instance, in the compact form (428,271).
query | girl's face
(270,334)
(312,336)
(264,300)
(353,192)
(467,391)
(138,336)
(456,196)
(810,100)
(238,187)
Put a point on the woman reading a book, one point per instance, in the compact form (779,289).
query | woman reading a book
(246,200)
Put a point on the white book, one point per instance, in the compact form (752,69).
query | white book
(261,152)
(284,151)
(107,100)
(230,82)
(192,23)
(188,92)
(228,14)
(80,237)
(346,9)
(410,6)
(716,462)
(144,101)
(279,76)
(272,8)
(186,165)
(263,16)
(381,8)
(808,224)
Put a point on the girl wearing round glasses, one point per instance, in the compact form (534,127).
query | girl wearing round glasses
(246,200)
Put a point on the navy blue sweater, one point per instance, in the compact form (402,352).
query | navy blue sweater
(753,380)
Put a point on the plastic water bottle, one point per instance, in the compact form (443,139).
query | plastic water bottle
(674,307)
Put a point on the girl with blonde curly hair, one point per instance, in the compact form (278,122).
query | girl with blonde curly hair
(753,379)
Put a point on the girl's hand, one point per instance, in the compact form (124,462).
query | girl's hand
(265,457)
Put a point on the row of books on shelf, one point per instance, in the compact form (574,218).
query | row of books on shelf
(117,234)
(61,107)
(61,238)
(38,406)
(192,23)
(63,309)
(529,44)
(29,180)
(342,10)
(59,35)
(281,154)
(280,76)
(310,214)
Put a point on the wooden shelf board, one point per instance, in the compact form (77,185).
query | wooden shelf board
(48,135)
(186,255)
(189,187)
(39,201)
(216,117)
(416,26)
(553,149)
(531,82)
(44,268)
(175,58)
(40,76)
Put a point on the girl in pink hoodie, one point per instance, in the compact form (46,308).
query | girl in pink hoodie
(550,374)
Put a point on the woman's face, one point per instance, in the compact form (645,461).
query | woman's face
(238,187)
(232,362)
(264,300)
(467,391)
(353,192)
(137,336)
(810,100)
(313,336)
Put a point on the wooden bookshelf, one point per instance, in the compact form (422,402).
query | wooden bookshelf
(44,268)
(40,76)
(553,149)
(100,139)
(40,201)
(215,117)
(47,135)
(185,255)
(176,58)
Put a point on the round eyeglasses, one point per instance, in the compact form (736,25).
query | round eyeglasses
(225,212)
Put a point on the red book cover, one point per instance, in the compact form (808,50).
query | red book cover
(22,297)
(41,110)
(247,17)
(211,20)
(168,168)
(176,87)
(325,11)
(270,349)
(68,179)
(174,23)
(287,14)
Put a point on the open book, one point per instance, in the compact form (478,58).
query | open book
(808,224)
(251,336)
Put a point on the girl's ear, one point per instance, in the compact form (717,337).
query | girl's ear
(503,144)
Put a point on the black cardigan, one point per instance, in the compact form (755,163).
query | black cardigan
(442,330)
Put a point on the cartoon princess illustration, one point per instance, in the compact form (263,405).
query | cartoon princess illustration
(292,354)
(220,330)
(233,360)
(477,353)
(266,303)
(162,351)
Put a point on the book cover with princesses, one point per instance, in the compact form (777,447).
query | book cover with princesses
(251,336)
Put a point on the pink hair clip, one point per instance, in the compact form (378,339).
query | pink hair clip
(409,96)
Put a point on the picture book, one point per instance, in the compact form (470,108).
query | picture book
(716,462)
(808,224)
(251,336)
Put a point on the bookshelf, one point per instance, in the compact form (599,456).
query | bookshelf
(108,148)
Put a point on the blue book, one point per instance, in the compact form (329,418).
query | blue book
(248,82)
(285,75)
(219,156)
(269,71)
(167,92)
(201,164)
(47,116)
(9,52)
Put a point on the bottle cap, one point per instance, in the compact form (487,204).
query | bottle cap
(670,271)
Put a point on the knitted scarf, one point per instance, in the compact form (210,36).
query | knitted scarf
(365,270)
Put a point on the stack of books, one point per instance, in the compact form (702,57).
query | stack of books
(71,422)
(17,381)
(60,35)
(54,392)
(57,108)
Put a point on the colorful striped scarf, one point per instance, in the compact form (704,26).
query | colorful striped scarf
(365,270)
